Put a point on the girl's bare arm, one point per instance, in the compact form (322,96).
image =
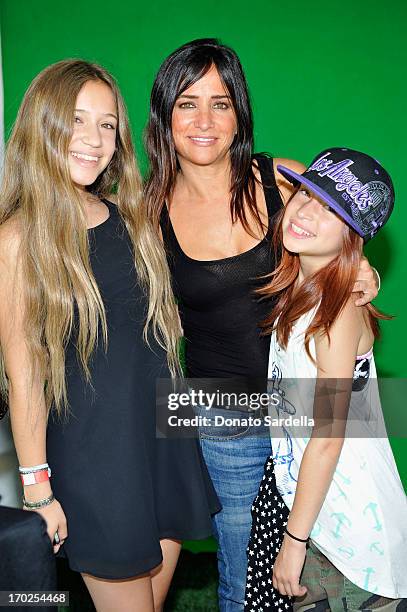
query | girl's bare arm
(26,396)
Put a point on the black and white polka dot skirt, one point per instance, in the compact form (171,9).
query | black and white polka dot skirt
(269,518)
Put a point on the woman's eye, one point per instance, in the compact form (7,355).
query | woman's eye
(221,105)
(327,207)
(77,119)
(109,126)
(305,192)
(186,105)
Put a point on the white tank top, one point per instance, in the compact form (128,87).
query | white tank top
(362,525)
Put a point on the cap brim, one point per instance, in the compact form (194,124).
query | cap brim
(296,179)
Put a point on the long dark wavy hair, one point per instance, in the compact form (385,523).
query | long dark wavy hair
(184,67)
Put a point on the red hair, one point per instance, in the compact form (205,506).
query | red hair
(331,287)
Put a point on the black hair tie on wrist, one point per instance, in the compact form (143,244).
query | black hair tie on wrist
(295,537)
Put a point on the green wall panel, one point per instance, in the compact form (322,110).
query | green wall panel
(320,74)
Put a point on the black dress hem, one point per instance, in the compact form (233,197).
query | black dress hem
(150,565)
(103,576)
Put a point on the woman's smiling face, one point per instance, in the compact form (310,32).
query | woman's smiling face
(204,121)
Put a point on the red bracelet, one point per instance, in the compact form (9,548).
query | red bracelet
(35,477)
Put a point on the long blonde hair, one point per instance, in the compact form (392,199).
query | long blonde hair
(54,251)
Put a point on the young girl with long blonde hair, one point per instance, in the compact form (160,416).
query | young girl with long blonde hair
(87,323)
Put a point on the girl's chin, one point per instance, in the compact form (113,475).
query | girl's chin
(291,245)
(83,181)
(80,187)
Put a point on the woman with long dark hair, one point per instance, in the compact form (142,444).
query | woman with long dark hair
(337,475)
(215,202)
(88,321)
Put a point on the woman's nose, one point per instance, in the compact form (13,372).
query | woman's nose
(203,119)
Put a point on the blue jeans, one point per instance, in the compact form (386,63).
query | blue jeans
(235,458)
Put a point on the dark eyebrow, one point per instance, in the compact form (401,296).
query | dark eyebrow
(81,110)
(213,97)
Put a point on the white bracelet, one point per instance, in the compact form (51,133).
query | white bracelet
(34,468)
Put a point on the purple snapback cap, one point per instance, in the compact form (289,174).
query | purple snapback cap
(353,184)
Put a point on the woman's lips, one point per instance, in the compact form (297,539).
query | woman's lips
(203,141)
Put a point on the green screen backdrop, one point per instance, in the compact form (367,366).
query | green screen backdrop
(320,74)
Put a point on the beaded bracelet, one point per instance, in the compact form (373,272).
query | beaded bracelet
(39,504)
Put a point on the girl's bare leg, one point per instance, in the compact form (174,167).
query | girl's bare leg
(161,576)
(131,595)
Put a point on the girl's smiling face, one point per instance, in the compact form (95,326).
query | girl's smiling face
(310,227)
(93,139)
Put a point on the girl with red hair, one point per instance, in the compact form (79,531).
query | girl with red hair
(331,543)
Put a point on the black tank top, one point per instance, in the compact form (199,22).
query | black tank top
(219,311)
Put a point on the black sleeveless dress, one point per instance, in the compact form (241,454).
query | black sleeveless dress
(122,488)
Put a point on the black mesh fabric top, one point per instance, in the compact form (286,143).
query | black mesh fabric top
(219,311)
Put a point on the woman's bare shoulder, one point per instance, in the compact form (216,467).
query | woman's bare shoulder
(293,164)
(286,188)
